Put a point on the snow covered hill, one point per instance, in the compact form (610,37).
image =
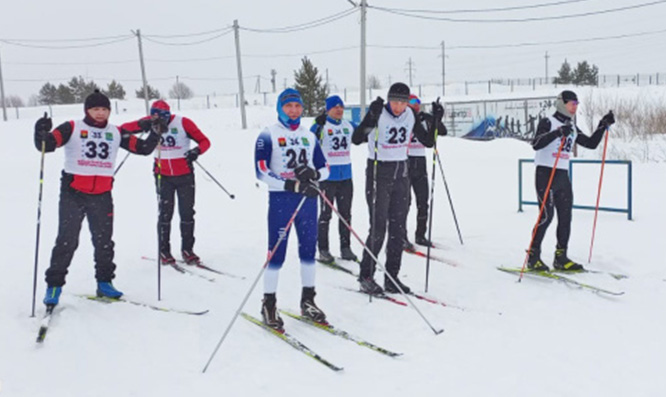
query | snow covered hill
(502,338)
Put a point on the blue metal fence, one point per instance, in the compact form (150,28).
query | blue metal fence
(627,210)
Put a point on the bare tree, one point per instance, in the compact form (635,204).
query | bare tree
(14,101)
(181,91)
(374,82)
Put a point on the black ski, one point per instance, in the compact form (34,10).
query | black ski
(181,269)
(343,334)
(378,296)
(45,323)
(293,342)
(142,304)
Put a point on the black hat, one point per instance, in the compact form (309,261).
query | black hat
(399,92)
(97,99)
(567,96)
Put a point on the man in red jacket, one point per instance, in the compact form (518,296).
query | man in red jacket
(91,146)
(174,165)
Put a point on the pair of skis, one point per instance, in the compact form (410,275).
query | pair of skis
(566,279)
(45,323)
(182,267)
(298,345)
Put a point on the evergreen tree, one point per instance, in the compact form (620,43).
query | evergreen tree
(81,88)
(115,90)
(309,84)
(48,94)
(65,95)
(180,90)
(584,74)
(152,93)
(564,75)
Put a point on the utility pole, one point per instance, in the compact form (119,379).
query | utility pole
(443,69)
(547,56)
(143,71)
(409,65)
(241,91)
(2,95)
(257,86)
(273,74)
(364,10)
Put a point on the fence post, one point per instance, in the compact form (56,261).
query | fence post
(489,89)
(618,80)
(466,90)
(629,203)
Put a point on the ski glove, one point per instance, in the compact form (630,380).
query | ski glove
(608,119)
(565,130)
(43,125)
(375,109)
(437,111)
(321,119)
(304,173)
(145,124)
(307,188)
(192,155)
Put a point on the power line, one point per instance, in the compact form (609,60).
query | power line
(67,40)
(498,9)
(304,26)
(226,32)
(67,47)
(188,34)
(511,20)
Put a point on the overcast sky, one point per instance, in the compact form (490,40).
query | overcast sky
(26,69)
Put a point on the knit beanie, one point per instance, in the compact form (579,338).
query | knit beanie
(333,101)
(564,97)
(285,97)
(97,100)
(398,92)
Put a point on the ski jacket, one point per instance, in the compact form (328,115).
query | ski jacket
(335,140)
(91,150)
(174,144)
(416,148)
(279,150)
(546,142)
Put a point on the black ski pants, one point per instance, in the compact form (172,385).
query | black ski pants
(388,203)
(181,186)
(560,198)
(418,179)
(340,192)
(72,208)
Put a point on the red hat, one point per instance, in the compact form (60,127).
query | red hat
(161,104)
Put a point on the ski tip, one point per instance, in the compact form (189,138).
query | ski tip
(438,332)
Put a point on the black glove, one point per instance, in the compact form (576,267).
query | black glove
(192,155)
(565,130)
(145,124)
(43,126)
(608,119)
(437,111)
(375,109)
(304,173)
(307,188)
(321,119)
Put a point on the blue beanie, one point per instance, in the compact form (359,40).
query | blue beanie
(286,96)
(333,101)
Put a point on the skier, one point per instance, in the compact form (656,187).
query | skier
(418,174)
(559,129)
(387,129)
(177,178)
(291,163)
(334,136)
(91,146)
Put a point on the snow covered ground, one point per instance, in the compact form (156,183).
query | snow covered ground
(536,337)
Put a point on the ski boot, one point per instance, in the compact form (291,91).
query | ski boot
(422,240)
(190,258)
(270,314)
(369,286)
(347,254)
(408,246)
(390,288)
(167,259)
(308,307)
(52,296)
(325,257)
(534,262)
(106,290)
(563,263)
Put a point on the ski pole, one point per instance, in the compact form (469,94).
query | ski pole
(601,178)
(446,186)
(543,205)
(256,280)
(159,219)
(374,198)
(231,196)
(39,222)
(432,208)
(367,249)
(125,159)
